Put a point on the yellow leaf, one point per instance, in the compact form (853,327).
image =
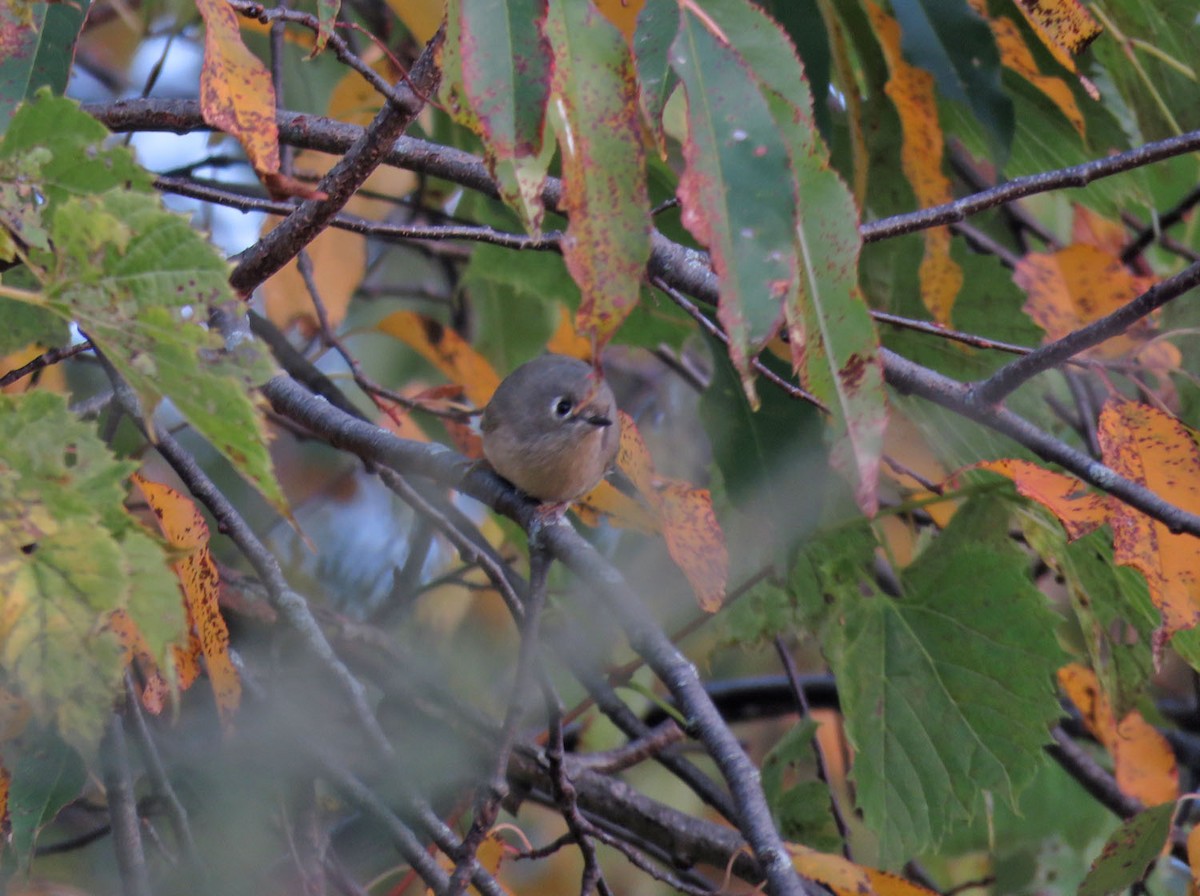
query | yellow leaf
(1065,26)
(1077,285)
(1154,449)
(622,13)
(908,447)
(236,92)
(911,92)
(421,17)
(845,878)
(185,530)
(566,339)
(1015,55)
(446,350)
(1143,761)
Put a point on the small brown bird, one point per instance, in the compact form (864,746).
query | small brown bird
(551,429)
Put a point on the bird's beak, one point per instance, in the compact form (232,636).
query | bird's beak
(598,420)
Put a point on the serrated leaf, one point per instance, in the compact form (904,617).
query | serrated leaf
(946,690)
(46,775)
(1129,852)
(69,556)
(138,290)
(38,51)
(497,67)
(596,118)
(77,163)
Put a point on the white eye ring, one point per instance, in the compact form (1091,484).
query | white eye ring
(561,407)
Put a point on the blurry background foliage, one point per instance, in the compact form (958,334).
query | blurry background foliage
(997,676)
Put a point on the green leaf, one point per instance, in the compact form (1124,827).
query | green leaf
(136,278)
(38,51)
(497,66)
(1129,852)
(801,808)
(737,191)
(948,39)
(599,130)
(69,556)
(46,775)
(947,690)
(657,25)
(834,344)
(78,163)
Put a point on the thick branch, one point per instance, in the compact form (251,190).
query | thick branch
(279,246)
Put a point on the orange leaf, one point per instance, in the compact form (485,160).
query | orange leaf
(1015,55)
(1154,449)
(695,540)
(156,691)
(566,340)
(185,529)
(1096,230)
(445,350)
(683,513)
(1143,761)
(911,92)
(1079,510)
(1077,285)
(624,512)
(904,443)
(236,93)
(845,878)
(622,13)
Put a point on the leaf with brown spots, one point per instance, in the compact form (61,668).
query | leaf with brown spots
(1154,449)
(595,115)
(186,531)
(1065,26)
(1129,852)
(911,92)
(496,81)
(237,95)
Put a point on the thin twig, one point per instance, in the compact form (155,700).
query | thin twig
(122,810)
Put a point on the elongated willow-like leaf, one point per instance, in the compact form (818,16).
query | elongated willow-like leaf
(596,118)
(39,47)
(833,342)
(496,82)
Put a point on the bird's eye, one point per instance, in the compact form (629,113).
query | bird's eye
(562,407)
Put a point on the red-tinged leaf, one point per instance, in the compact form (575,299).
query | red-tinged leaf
(185,529)
(1143,761)
(445,350)
(737,190)
(1092,228)
(833,343)
(327,13)
(236,92)
(496,81)
(1079,510)
(1156,450)
(911,92)
(595,115)
(5,821)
